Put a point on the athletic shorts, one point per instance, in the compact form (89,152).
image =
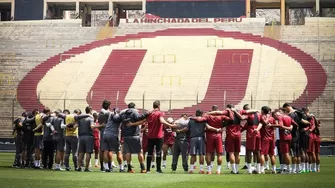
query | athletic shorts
(144,145)
(197,146)
(110,143)
(233,143)
(253,143)
(169,140)
(28,140)
(214,143)
(317,143)
(268,147)
(311,144)
(285,146)
(303,141)
(97,145)
(59,144)
(38,142)
(295,149)
(86,144)
(132,145)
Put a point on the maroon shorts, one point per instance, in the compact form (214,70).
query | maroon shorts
(214,143)
(268,147)
(311,144)
(233,143)
(96,145)
(145,145)
(285,146)
(317,143)
(254,143)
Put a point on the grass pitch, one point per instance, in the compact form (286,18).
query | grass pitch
(11,177)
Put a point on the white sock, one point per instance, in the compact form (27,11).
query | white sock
(209,168)
(113,164)
(267,164)
(35,162)
(236,167)
(262,169)
(191,167)
(125,163)
(281,166)
(212,164)
(258,167)
(318,167)
(274,168)
(164,163)
(289,168)
(248,165)
(314,166)
(106,167)
(219,168)
(121,166)
(57,166)
(294,168)
(152,163)
(201,167)
(228,164)
(303,166)
(233,168)
(38,162)
(96,161)
(284,167)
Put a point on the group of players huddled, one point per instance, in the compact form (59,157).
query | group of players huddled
(41,135)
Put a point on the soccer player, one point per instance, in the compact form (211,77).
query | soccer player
(311,142)
(299,138)
(58,138)
(279,154)
(181,144)
(131,135)
(214,138)
(71,136)
(102,120)
(111,141)
(267,136)
(86,141)
(253,141)
(317,143)
(285,125)
(18,136)
(28,141)
(144,131)
(197,141)
(48,144)
(169,139)
(96,135)
(155,134)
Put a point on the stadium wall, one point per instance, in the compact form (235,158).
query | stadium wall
(28,9)
(196,9)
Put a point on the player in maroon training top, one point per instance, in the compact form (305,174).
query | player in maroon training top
(155,134)
(214,138)
(169,138)
(311,141)
(267,138)
(285,125)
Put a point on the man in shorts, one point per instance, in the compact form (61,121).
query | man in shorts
(169,139)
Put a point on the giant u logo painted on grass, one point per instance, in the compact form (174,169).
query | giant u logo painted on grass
(178,64)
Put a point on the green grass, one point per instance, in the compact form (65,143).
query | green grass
(11,177)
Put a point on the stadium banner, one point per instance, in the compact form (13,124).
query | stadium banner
(182,20)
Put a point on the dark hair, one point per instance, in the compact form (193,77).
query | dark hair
(198,113)
(182,115)
(46,110)
(156,104)
(88,109)
(305,110)
(58,111)
(266,109)
(66,111)
(35,111)
(215,107)
(245,107)
(24,114)
(131,105)
(286,105)
(230,106)
(106,104)
(76,111)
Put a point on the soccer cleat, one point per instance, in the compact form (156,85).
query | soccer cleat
(148,172)
(318,171)
(209,172)
(125,166)
(159,172)
(122,170)
(218,173)
(107,170)
(190,172)
(67,168)
(78,169)
(131,171)
(114,166)
(245,167)
(87,170)
(202,172)
(153,166)
(164,166)
(143,171)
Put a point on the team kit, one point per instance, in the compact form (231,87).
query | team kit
(47,139)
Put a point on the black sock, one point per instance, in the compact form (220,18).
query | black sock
(109,164)
(158,163)
(101,165)
(149,158)
(129,168)
(142,166)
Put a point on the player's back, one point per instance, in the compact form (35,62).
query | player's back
(112,126)
(214,121)
(85,126)
(155,127)
(267,132)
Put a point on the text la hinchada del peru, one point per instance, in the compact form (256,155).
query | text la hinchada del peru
(184,20)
